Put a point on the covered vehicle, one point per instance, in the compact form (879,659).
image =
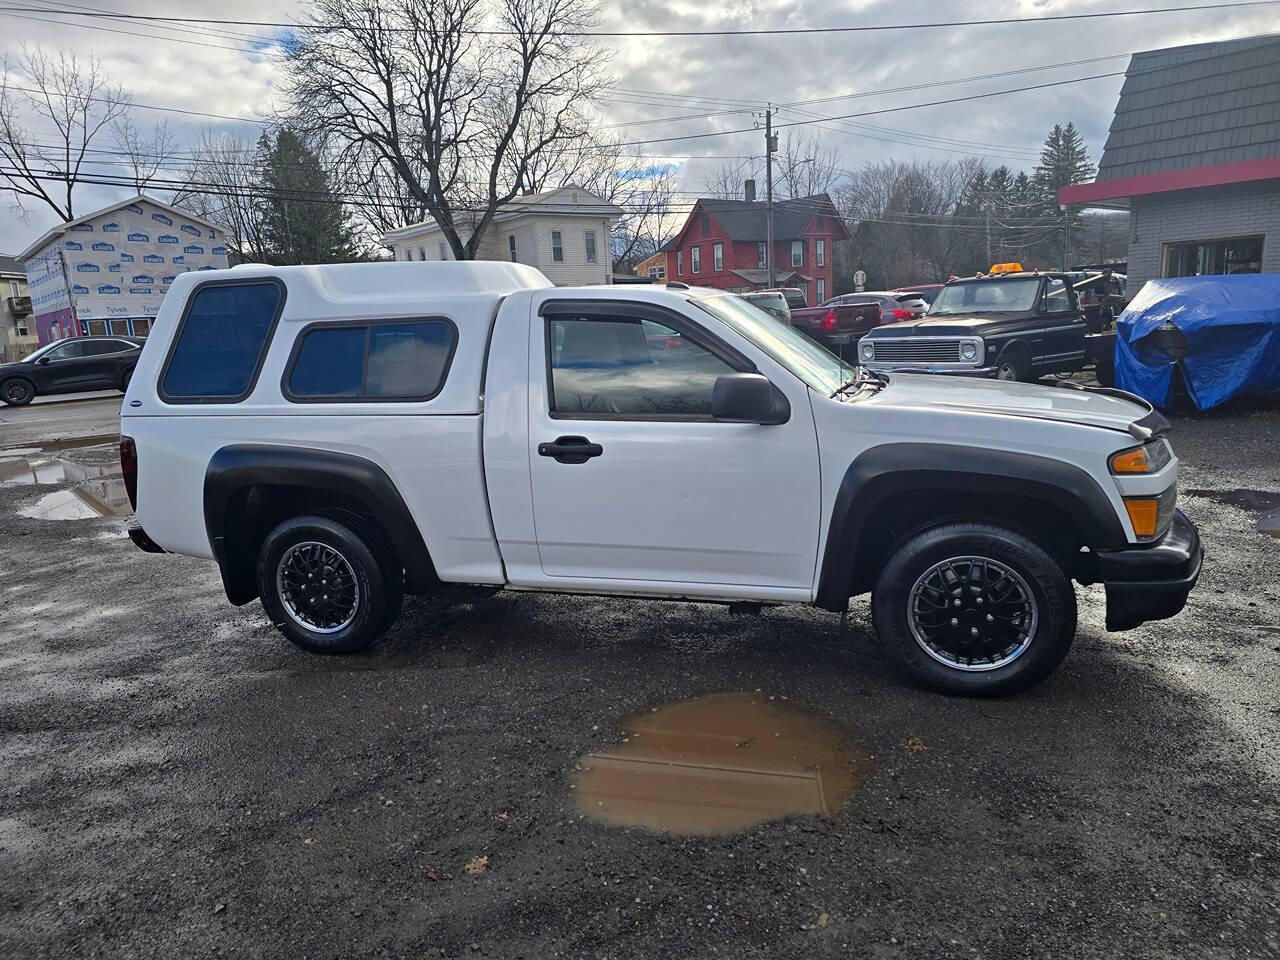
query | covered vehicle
(1221,333)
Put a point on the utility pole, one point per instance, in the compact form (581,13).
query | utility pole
(987,208)
(770,144)
(1066,238)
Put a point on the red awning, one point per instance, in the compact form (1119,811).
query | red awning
(1111,193)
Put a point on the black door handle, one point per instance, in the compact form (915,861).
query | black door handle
(570,449)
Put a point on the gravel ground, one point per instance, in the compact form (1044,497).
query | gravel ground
(176,780)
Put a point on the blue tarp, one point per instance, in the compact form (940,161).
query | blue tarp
(1232,328)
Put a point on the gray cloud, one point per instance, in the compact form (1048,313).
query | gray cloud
(709,74)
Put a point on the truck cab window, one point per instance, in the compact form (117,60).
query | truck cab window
(602,367)
(1056,299)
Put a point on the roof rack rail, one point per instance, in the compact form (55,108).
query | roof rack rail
(676,285)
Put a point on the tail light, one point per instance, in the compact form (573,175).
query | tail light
(129,469)
(830,321)
(900,314)
(674,343)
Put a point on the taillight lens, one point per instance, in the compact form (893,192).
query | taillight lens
(900,314)
(129,469)
(830,322)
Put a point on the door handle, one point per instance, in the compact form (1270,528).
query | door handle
(570,449)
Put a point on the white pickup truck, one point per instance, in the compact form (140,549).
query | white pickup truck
(335,436)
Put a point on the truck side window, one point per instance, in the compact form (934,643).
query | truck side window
(389,360)
(220,344)
(602,367)
(1055,297)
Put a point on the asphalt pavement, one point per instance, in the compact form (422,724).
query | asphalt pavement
(178,781)
(51,419)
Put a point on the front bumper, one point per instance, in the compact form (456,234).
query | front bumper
(1151,582)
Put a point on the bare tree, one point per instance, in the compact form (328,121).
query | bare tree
(645,190)
(146,157)
(456,104)
(224,186)
(726,183)
(804,167)
(77,100)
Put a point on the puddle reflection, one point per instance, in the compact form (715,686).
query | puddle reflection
(94,498)
(1267,504)
(721,763)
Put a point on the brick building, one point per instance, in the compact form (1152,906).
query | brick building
(1194,155)
(722,245)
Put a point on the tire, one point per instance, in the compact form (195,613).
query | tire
(916,578)
(370,586)
(1013,364)
(17,392)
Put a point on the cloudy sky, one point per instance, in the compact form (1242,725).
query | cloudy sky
(713,83)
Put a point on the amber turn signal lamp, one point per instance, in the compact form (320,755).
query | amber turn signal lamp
(1143,514)
(1131,461)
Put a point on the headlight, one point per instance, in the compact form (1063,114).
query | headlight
(968,350)
(1149,458)
(867,351)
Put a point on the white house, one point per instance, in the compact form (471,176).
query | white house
(107,272)
(564,233)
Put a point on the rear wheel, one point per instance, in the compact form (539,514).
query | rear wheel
(326,586)
(974,608)
(17,392)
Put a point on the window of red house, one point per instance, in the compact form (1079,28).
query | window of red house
(717,256)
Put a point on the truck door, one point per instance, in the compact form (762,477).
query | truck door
(633,480)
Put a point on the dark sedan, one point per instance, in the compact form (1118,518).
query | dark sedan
(69,366)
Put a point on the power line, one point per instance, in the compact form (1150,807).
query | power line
(764,31)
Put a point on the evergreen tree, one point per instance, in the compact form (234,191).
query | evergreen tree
(304,220)
(1064,160)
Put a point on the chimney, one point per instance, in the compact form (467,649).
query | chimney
(750,190)
(526,192)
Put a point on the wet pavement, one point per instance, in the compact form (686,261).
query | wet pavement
(176,780)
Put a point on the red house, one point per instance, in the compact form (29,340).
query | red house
(722,244)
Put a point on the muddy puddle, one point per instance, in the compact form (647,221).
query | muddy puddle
(1262,502)
(721,763)
(92,467)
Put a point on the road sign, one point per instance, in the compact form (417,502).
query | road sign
(860,280)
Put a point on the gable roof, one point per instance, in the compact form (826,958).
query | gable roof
(11,265)
(63,227)
(1202,105)
(746,219)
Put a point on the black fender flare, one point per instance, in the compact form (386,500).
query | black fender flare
(892,468)
(239,466)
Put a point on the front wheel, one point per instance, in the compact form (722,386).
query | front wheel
(326,586)
(1013,365)
(974,608)
(17,392)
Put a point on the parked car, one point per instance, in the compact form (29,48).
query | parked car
(844,320)
(469,423)
(927,292)
(796,298)
(772,302)
(1012,326)
(70,365)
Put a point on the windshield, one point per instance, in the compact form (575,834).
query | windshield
(1015,295)
(37,354)
(815,365)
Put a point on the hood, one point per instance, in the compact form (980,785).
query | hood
(1111,410)
(935,324)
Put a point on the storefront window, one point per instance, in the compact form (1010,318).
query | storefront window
(1213,257)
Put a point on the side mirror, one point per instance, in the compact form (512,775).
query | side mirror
(44,359)
(748,398)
